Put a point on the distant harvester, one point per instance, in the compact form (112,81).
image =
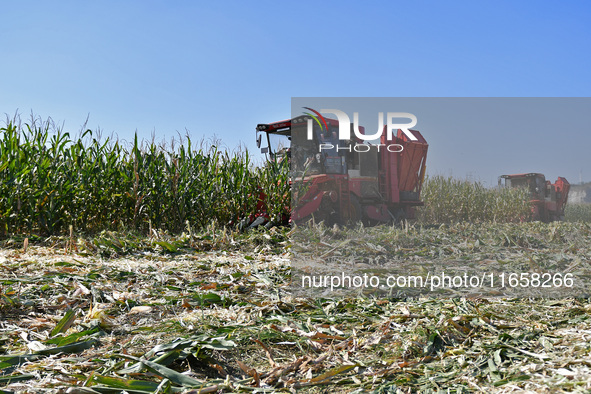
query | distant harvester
(548,199)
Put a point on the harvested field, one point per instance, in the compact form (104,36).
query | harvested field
(209,312)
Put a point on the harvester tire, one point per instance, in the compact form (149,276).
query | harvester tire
(327,213)
(355,213)
(400,215)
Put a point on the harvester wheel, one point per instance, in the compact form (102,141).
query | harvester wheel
(327,213)
(400,215)
(355,213)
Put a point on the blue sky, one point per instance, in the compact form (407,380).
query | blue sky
(219,68)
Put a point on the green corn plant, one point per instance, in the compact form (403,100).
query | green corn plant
(578,213)
(51,180)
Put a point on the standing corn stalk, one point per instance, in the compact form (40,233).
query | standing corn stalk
(51,181)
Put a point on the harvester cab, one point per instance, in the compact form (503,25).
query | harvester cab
(548,200)
(348,180)
(277,138)
(289,138)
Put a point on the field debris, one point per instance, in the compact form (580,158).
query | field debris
(215,317)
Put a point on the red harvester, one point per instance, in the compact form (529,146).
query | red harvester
(548,199)
(351,180)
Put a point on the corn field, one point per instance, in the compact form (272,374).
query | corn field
(51,181)
(449,200)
